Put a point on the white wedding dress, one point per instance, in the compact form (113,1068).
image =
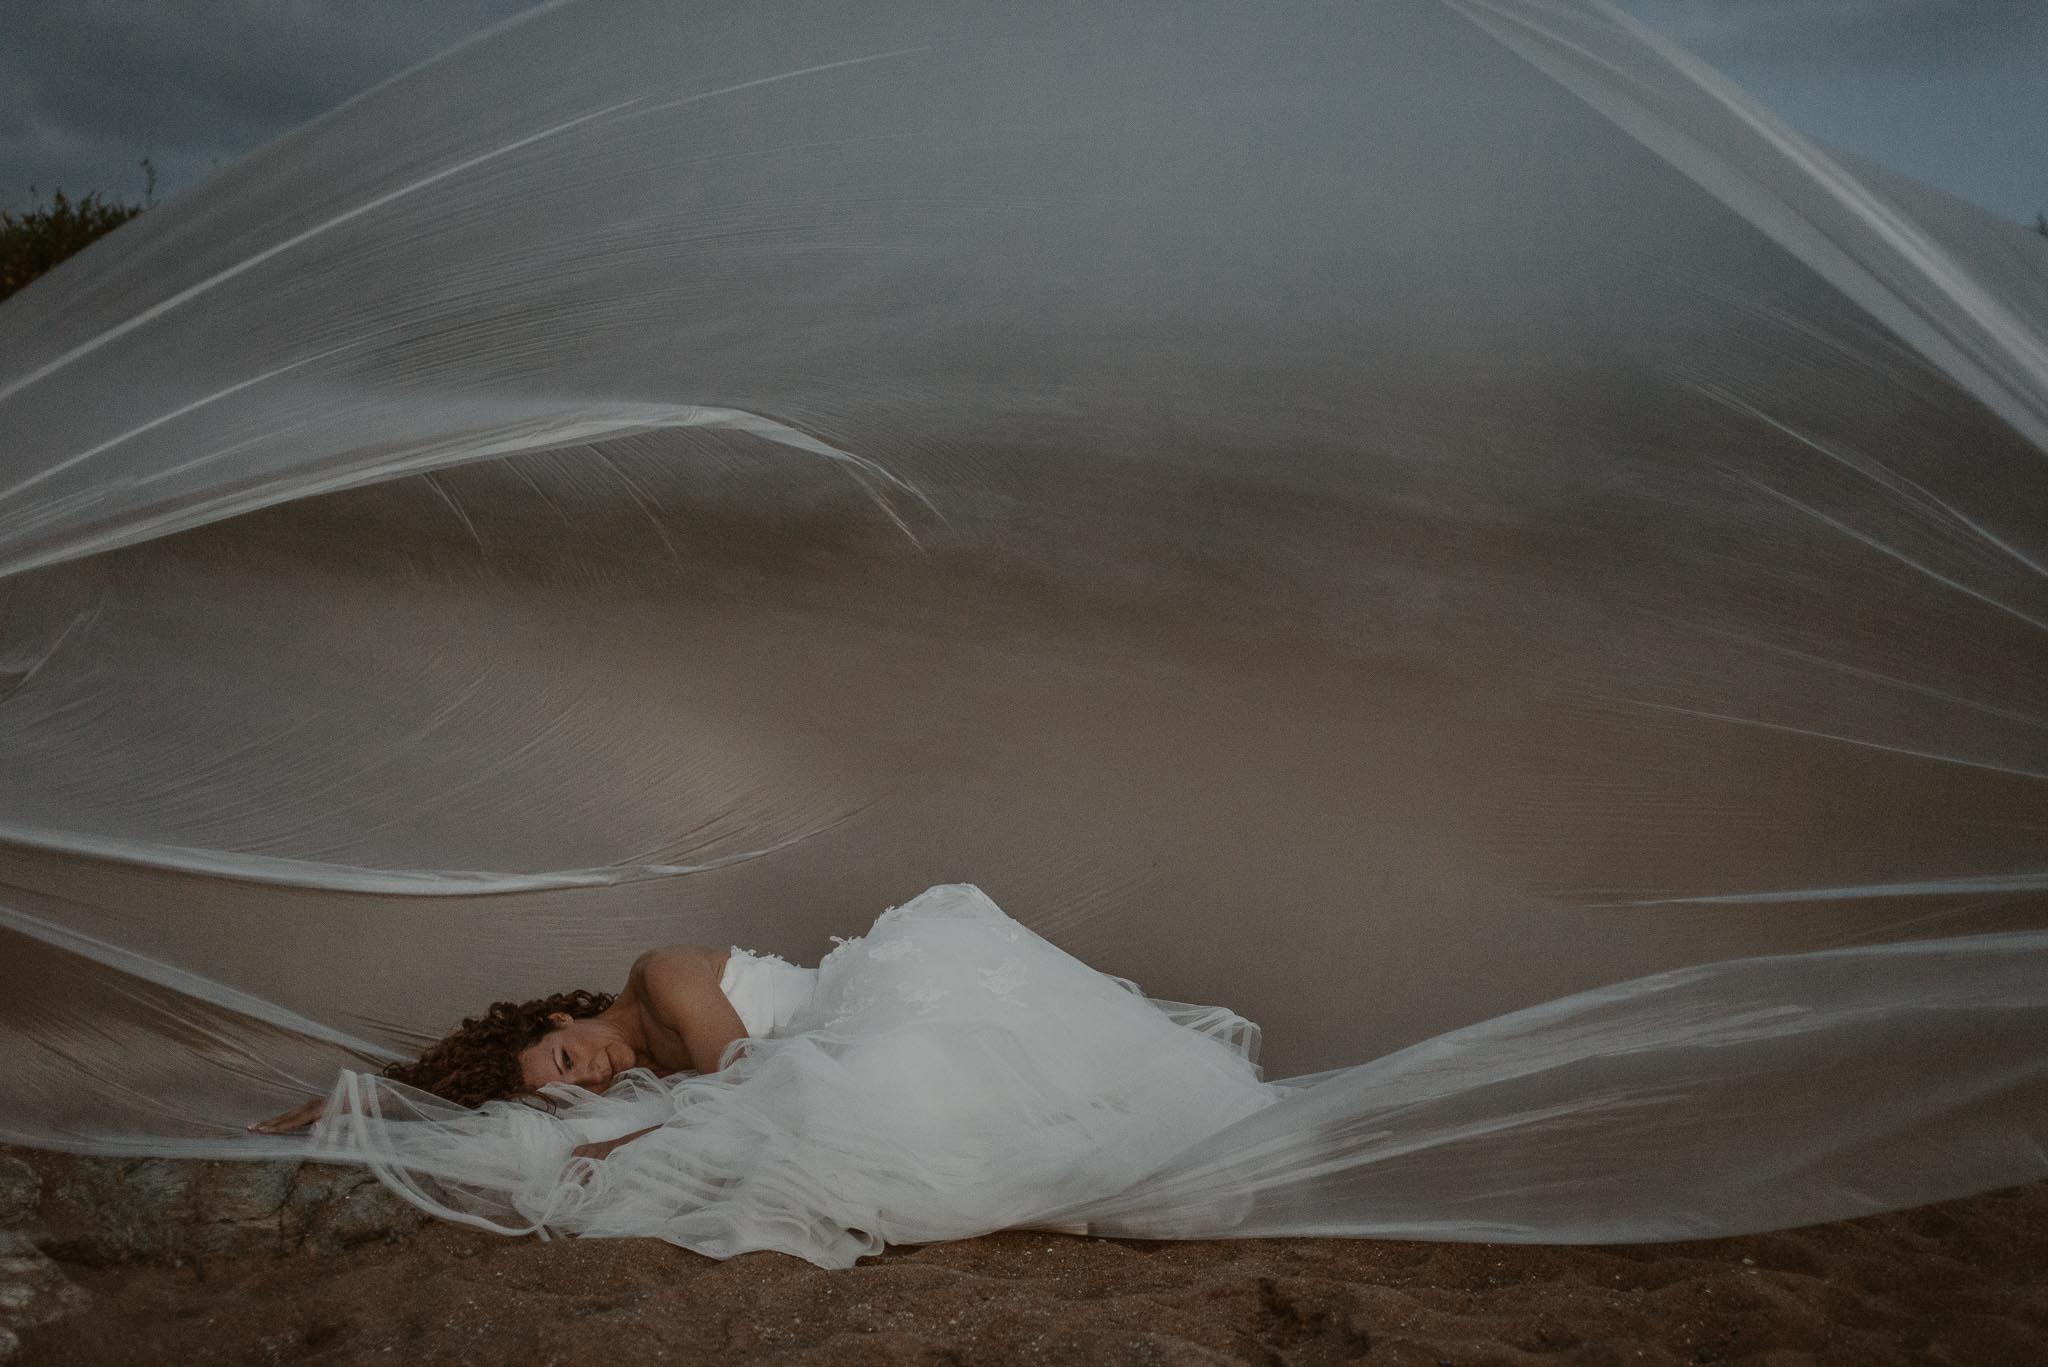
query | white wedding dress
(947,1074)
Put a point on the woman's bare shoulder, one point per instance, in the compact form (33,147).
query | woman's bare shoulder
(679,963)
(677,993)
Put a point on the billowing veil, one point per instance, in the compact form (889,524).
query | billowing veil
(1434,523)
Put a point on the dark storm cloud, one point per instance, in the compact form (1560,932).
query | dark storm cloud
(1945,90)
(89,89)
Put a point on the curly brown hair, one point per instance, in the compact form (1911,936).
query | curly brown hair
(480,1061)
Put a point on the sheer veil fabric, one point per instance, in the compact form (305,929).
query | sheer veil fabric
(954,1074)
(1434,524)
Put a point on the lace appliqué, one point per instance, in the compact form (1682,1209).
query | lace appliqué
(924,996)
(1003,980)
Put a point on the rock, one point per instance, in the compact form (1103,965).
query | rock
(10,1346)
(242,1193)
(97,1211)
(21,1191)
(340,1208)
(33,1290)
(105,1210)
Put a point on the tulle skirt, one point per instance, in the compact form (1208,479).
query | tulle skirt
(953,1074)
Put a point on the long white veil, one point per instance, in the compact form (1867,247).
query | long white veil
(1387,516)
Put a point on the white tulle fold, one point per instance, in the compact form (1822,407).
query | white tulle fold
(1733,1097)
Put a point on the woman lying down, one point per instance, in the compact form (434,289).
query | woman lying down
(947,1074)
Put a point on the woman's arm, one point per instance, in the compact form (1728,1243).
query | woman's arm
(603,1147)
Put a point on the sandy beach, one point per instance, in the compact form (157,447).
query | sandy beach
(1958,1283)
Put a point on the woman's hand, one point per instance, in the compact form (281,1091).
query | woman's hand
(297,1118)
(603,1148)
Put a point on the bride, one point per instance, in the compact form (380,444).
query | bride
(947,1074)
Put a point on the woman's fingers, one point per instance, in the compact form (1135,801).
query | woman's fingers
(297,1118)
(595,1153)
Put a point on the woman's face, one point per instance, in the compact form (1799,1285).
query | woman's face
(586,1052)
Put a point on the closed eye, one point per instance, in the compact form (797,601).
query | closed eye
(562,1062)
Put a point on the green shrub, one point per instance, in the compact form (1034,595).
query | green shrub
(36,239)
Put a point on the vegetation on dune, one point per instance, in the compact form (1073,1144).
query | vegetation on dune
(37,238)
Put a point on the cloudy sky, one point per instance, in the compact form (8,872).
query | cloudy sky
(1953,92)
(1950,91)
